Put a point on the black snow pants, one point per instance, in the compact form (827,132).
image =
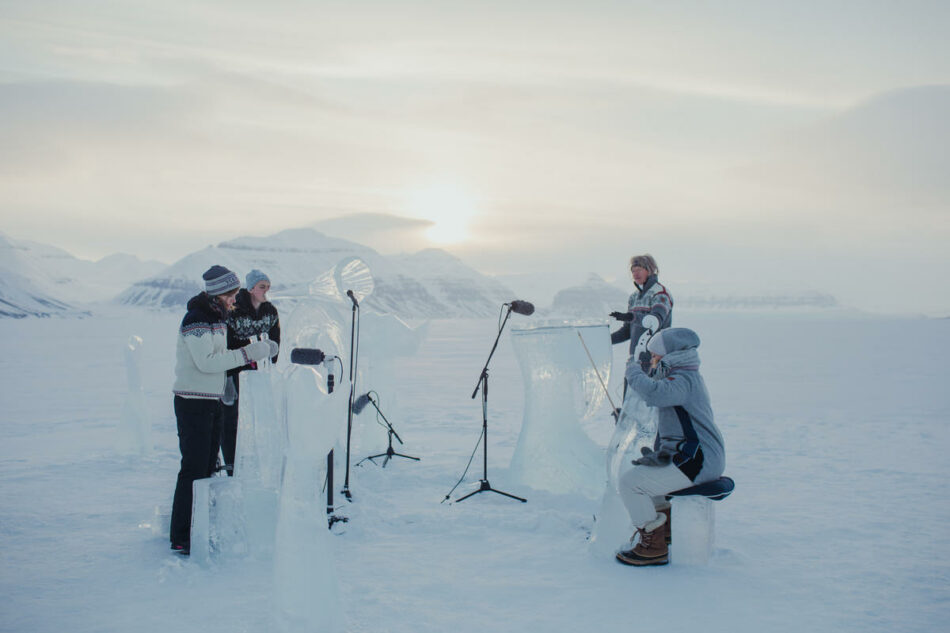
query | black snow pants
(199,435)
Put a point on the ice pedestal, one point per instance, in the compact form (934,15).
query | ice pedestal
(693,530)
(561,388)
(306,596)
(218,519)
(135,427)
(635,429)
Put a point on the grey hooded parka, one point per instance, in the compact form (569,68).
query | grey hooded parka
(686,429)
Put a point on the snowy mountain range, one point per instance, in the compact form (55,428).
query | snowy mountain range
(428,284)
(42,280)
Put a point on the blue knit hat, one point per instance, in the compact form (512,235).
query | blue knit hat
(219,280)
(253,277)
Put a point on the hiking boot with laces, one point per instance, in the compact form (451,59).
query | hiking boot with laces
(651,548)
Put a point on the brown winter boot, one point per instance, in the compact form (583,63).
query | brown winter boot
(652,548)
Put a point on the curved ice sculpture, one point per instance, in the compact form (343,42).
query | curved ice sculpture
(635,429)
(323,320)
(561,388)
(384,339)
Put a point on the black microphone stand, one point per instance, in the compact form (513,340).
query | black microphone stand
(484,485)
(390,453)
(349,410)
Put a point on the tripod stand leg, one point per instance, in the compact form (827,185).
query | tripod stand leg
(522,500)
(484,485)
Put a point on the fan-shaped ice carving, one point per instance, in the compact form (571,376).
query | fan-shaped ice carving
(350,274)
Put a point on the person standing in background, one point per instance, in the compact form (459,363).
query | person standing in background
(253,315)
(649,308)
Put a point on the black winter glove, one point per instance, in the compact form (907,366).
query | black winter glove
(645,358)
(662,457)
(622,316)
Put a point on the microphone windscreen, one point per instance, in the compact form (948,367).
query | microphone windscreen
(522,307)
(360,403)
(306,356)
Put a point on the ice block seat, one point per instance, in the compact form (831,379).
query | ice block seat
(693,520)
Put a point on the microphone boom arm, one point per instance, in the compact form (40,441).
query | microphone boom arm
(481,376)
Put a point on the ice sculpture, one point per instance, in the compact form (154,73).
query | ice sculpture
(218,520)
(135,435)
(635,429)
(385,338)
(259,454)
(693,530)
(306,596)
(323,320)
(561,388)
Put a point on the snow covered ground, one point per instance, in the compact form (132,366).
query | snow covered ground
(836,428)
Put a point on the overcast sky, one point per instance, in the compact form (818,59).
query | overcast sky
(750,146)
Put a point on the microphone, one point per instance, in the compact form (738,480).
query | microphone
(349,293)
(311,356)
(360,403)
(307,356)
(522,307)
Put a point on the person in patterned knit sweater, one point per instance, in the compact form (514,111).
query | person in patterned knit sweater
(252,316)
(202,359)
(649,308)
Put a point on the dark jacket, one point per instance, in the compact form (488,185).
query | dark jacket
(245,324)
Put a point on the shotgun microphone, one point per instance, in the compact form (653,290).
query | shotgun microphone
(360,403)
(313,357)
(522,307)
(307,356)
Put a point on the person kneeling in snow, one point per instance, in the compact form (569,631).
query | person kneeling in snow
(688,450)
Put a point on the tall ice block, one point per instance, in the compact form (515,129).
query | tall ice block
(135,428)
(306,594)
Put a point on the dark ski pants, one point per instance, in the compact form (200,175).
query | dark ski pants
(199,434)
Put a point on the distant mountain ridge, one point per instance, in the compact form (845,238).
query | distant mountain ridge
(428,284)
(41,280)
